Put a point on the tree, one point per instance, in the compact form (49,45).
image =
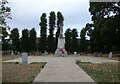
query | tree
(25,40)
(5,42)
(43,31)
(4,33)
(4,14)
(68,40)
(90,33)
(51,42)
(32,39)
(60,20)
(104,9)
(106,16)
(83,41)
(15,39)
(103,32)
(117,33)
(75,46)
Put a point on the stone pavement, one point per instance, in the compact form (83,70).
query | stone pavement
(63,69)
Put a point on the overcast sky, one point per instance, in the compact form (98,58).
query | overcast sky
(26,13)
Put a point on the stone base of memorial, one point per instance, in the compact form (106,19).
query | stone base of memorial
(60,51)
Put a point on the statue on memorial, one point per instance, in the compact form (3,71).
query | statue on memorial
(61,30)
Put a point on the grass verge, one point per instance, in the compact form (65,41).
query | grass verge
(8,57)
(15,72)
(101,73)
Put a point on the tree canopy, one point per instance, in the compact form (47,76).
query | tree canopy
(68,40)
(15,39)
(51,41)
(43,32)
(25,40)
(75,46)
(32,39)
(83,41)
(104,33)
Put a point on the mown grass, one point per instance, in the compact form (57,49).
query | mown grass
(114,56)
(13,72)
(8,57)
(102,73)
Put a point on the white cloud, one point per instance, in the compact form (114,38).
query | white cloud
(26,13)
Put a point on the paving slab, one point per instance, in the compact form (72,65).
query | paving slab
(62,70)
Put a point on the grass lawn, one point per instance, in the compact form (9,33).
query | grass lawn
(15,72)
(8,57)
(106,72)
(114,56)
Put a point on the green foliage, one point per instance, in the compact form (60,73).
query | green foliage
(32,39)
(52,19)
(68,39)
(103,9)
(26,43)
(15,39)
(43,31)
(25,40)
(51,41)
(5,42)
(83,41)
(71,40)
(6,45)
(4,12)
(4,33)
(75,46)
(106,33)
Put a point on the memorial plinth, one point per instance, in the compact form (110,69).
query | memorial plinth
(60,51)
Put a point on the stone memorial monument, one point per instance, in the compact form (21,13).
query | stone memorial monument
(24,58)
(60,51)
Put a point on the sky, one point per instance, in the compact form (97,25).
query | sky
(27,13)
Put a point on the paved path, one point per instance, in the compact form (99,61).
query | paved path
(63,69)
